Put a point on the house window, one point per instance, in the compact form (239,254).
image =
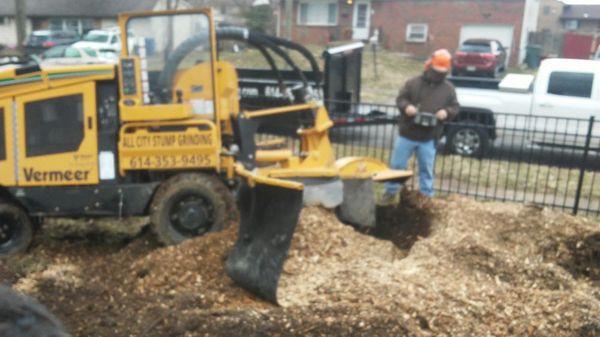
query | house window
(318,13)
(361,15)
(571,24)
(80,26)
(571,84)
(72,25)
(3,20)
(56,24)
(416,32)
(86,26)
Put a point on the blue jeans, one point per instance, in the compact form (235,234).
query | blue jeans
(403,150)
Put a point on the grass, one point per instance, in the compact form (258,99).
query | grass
(524,178)
(498,178)
(380,82)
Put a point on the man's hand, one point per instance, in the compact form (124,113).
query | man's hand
(410,110)
(442,114)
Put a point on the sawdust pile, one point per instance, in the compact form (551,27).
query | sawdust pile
(485,268)
(453,267)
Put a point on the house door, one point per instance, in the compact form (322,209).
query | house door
(361,22)
(57,140)
(577,46)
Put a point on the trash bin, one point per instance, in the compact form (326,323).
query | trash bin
(533,56)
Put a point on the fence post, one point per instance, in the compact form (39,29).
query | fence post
(583,164)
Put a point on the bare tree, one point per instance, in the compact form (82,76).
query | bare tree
(21,18)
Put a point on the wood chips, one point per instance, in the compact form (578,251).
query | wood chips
(450,267)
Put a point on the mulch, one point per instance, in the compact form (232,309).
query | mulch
(449,267)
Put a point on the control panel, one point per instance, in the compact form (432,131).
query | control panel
(129,80)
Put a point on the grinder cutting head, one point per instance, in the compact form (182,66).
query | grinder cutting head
(269,212)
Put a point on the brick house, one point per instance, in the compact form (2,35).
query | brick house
(582,26)
(549,18)
(567,30)
(583,19)
(415,27)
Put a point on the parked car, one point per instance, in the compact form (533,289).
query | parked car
(479,57)
(69,55)
(109,39)
(563,90)
(109,55)
(40,40)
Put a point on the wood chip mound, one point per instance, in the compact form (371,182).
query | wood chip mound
(474,269)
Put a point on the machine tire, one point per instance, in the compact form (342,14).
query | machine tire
(468,139)
(16,229)
(186,199)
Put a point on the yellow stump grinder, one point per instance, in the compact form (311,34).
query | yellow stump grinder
(162,134)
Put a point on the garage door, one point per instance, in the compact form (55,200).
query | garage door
(502,33)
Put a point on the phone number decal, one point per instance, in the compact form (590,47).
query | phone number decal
(175,161)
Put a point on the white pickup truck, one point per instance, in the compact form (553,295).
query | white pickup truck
(550,109)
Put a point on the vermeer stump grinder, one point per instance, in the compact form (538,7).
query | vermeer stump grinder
(162,134)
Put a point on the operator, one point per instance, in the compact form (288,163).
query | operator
(425,102)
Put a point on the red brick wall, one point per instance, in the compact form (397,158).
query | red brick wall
(444,18)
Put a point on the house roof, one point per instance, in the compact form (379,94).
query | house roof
(79,8)
(581,12)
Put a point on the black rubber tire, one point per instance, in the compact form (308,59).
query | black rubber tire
(17,229)
(216,199)
(494,73)
(467,129)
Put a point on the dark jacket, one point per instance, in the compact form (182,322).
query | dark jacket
(427,96)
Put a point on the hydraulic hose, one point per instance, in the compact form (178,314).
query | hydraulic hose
(228,34)
(166,77)
(245,35)
(299,48)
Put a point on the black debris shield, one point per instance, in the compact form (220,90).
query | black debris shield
(269,215)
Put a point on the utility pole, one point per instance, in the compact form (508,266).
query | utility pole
(289,13)
(20,19)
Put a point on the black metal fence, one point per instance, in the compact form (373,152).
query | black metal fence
(545,160)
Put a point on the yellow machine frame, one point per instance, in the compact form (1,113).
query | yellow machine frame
(169,155)
(143,143)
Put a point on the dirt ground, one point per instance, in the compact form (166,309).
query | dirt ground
(450,267)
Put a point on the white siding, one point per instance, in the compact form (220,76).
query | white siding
(530,21)
(8,32)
